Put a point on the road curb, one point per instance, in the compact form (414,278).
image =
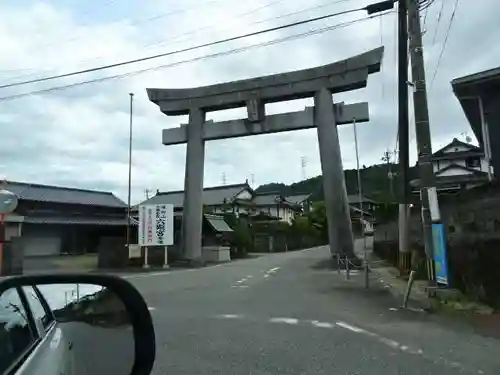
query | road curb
(421,304)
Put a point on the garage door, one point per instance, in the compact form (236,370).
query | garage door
(37,242)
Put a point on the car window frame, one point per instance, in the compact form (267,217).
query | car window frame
(36,337)
(45,306)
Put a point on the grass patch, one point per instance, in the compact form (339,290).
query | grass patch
(84,261)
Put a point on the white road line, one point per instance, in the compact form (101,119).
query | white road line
(230,316)
(266,276)
(350,327)
(284,320)
(272,270)
(151,308)
(384,340)
(393,344)
(164,273)
(241,281)
(249,276)
(239,286)
(141,275)
(351,272)
(322,324)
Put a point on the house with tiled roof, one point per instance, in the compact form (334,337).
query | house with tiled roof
(240,199)
(458,165)
(52,219)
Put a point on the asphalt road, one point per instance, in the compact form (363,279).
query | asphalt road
(98,350)
(288,314)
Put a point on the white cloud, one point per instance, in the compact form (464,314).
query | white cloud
(79,137)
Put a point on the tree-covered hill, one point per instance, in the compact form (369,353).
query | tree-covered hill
(374,180)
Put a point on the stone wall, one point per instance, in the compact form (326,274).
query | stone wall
(472,222)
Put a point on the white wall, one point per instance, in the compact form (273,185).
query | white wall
(458,148)
(244,195)
(441,164)
(284,213)
(454,172)
(484,165)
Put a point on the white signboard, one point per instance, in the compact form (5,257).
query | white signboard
(433,204)
(156,225)
(134,251)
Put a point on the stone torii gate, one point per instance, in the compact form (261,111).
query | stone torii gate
(319,82)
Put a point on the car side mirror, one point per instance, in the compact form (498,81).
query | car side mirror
(74,324)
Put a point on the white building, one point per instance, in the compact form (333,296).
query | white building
(458,165)
(240,199)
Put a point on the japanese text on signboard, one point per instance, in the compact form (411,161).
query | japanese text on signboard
(156,225)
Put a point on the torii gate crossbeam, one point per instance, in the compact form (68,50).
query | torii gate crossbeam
(320,83)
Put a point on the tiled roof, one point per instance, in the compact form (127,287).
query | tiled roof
(265,199)
(75,220)
(211,196)
(354,199)
(297,199)
(457,143)
(57,194)
(218,223)
(270,199)
(466,171)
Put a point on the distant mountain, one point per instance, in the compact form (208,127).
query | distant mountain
(374,180)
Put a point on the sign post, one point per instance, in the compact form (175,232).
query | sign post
(440,256)
(156,228)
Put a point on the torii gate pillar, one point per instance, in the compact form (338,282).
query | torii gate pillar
(320,83)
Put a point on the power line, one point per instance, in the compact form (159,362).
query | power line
(426,12)
(123,63)
(204,57)
(37,32)
(438,21)
(172,38)
(217,23)
(182,37)
(136,21)
(452,18)
(196,31)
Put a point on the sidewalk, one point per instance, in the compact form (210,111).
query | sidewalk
(389,276)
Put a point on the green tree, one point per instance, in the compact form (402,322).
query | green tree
(242,237)
(317,220)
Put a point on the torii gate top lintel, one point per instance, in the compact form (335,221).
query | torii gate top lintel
(344,75)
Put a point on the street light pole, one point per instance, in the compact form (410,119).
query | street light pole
(129,170)
(361,215)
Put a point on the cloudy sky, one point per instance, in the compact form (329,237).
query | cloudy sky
(78,136)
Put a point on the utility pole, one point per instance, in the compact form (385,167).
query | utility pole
(361,212)
(129,169)
(422,129)
(390,175)
(403,126)
(303,163)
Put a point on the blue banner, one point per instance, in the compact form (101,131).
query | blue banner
(440,261)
